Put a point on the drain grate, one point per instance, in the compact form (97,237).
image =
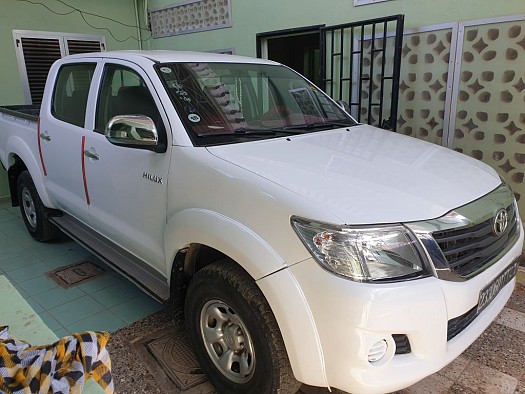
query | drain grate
(75,274)
(172,352)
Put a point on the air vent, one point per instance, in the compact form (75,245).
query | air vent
(39,55)
(81,46)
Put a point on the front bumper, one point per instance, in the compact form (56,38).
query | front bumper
(351,317)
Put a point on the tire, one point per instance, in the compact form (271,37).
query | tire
(234,333)
(34,213)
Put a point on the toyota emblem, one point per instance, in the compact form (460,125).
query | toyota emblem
(501,221)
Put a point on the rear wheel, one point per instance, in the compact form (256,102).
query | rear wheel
(234,333)
(33,210)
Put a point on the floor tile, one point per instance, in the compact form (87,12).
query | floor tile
(76,310)
(66,258)
(136,309)
(431,385)
(102,321)
(33,303)
(5,243)
(117,294)
(37,285)
(483,379)
(14,263)
(512,319)
(8,218)
(455,369)
(50,321)
(28,272)
(15,251)
(58,296)
(61,332)
(49,250)
(102,282)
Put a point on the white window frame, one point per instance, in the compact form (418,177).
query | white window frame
(365,2)
(64,51)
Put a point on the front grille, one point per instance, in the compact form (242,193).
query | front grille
(458,324)
(468,250)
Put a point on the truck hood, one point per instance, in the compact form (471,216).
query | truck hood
(366,175)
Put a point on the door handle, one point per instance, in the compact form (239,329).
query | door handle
(91,155)
(45,137)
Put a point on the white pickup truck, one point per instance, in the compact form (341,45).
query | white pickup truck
(303,246)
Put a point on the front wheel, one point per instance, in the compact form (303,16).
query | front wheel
(33,210)
(234,333)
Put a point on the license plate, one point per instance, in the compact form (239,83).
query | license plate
(489,292)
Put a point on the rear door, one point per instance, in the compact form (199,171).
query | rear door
(60,138)
(127,186)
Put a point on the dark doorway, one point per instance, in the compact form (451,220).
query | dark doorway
(298,48)
(300,52)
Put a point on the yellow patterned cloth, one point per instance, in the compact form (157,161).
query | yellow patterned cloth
(60,368)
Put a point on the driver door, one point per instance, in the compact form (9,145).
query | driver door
(127,185)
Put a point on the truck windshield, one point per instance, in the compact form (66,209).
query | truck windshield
(233,102)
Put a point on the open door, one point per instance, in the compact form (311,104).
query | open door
(357,62)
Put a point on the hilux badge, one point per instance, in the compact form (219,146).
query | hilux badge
(151,177)
(500,222)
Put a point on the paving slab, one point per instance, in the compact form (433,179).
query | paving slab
(512,319)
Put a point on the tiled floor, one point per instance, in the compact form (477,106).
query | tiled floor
(106,303)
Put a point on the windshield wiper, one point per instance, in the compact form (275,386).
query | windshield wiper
(317,125)
(242,131)
(250,131)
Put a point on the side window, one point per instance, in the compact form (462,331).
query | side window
(71,92)
(124,92)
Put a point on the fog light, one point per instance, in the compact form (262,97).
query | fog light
(378,351)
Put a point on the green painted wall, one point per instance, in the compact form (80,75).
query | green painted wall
(252,17)
(22,15)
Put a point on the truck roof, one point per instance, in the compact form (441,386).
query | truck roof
(166,56)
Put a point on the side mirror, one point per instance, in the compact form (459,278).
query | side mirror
(133,131)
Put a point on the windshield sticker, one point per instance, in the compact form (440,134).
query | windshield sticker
(165,70)
(179,91)
(194,118)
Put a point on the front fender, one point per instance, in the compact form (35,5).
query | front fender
(279,286)
(298,329)
(224,234)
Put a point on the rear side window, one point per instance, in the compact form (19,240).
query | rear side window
(71,92)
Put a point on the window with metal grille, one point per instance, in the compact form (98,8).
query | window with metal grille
(36,52)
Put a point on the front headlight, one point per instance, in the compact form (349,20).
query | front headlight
(363,254)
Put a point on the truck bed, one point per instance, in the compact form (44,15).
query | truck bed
(29,112)
(18,130)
